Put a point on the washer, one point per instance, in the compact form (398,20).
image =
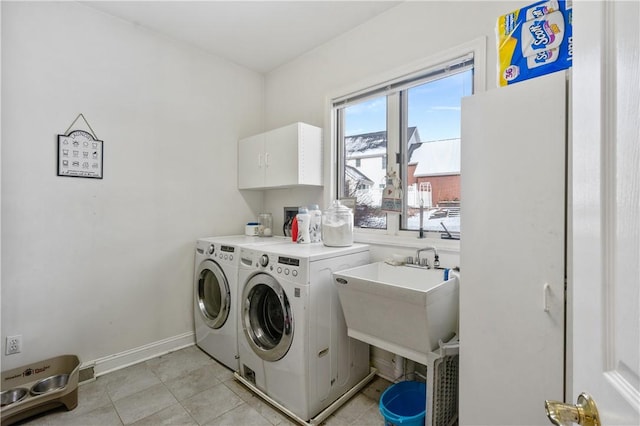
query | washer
(215,294)
(292,337)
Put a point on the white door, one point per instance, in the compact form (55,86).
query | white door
(512,252)
(605,243)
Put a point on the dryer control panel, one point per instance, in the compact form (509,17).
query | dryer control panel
(221,253)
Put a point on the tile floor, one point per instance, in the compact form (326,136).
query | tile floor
(187,387)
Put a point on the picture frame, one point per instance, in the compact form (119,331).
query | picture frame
(80,155)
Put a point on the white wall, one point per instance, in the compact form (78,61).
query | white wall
(99,267)
(405,34)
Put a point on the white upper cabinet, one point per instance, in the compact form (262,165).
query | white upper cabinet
(280,158)
(251,162)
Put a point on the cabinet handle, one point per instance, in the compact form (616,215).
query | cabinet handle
(545,296)
(266,159)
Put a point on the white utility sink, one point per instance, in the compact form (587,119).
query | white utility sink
(402,309)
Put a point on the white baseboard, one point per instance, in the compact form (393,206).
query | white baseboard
(124,359)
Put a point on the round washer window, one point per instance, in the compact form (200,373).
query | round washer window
(267,320)
(212,294)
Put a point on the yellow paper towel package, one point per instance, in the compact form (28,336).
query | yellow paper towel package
(534,41)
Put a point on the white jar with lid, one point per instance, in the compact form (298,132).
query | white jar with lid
(337,225)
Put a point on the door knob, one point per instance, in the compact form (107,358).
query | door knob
(584,413)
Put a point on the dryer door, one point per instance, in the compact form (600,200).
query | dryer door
(213,298)
(266,317)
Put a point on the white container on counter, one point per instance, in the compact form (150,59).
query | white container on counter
(315,223)
(337,226)
(251,229)
(304,226)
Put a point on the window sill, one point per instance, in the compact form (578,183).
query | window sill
(406,239)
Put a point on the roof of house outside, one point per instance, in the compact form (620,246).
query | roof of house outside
(373,144)
(437,158)
(355,174)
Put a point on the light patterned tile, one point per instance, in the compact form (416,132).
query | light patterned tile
(175,415)
(144,403)
(334,421)
(211,403)
(239,389)
(275,416)
(179,363)
(209,394)
(223,373)
(370,417)
(286,421)
(190,384)
(91,395)
(129,381)
(375,388)
(269,412)
(241,415)
(354,408)
(103,416)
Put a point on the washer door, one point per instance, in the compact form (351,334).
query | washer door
(212,294)
(266,317)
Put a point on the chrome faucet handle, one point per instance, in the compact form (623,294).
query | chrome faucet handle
(424,262)
(409,260)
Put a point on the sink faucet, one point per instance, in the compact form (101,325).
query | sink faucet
(436,259)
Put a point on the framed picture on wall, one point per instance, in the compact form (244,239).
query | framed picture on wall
(80,155)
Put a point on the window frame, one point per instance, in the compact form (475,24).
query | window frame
(393,235)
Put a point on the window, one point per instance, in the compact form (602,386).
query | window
(412,127)
(364,139)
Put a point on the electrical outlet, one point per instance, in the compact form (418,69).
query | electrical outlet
(14,345)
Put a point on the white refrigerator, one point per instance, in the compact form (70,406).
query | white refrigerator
(513,251)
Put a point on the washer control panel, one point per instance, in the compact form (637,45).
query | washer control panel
(288,265)
(289,268)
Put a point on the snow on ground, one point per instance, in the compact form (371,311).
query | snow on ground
(452,223)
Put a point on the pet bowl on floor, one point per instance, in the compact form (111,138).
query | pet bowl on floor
(49,384)
(13,395)
(39,387)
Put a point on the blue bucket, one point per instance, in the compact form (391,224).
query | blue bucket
(404,404)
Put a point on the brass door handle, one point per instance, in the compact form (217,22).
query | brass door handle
(584,413)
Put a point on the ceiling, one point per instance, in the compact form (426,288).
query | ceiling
(260,35)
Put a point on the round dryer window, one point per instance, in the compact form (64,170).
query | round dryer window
(212,294)
(266,317)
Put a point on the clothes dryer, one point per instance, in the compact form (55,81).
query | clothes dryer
(215,295)
(292,337)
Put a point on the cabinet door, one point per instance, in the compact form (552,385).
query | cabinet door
(512,252)
(251,162)
(281,156)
